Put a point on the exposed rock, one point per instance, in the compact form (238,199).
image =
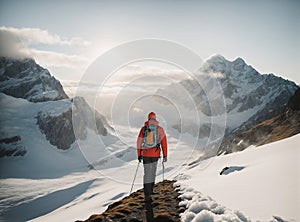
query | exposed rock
(59,129)
(84,116)
(11,146)
(294,102)
(10,139)
(23,78)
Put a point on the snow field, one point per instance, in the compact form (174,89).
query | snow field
(262,182)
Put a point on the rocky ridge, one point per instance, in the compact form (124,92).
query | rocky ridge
(171,202)
(163,208)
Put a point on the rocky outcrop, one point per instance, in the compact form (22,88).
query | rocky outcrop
(163,208)
(11,146)
(86,117)
(23,78)
(57,129)
(294,102)
(62,130)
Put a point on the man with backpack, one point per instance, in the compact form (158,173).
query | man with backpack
(150,141)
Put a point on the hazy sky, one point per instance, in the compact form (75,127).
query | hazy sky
(65,36)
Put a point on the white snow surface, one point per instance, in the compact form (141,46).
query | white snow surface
(261,181)
(51,185)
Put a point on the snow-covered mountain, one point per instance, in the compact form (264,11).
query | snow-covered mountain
(245,89)
(248,96)
(23,78)
(37,122)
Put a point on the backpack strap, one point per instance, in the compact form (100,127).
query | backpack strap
(158,144)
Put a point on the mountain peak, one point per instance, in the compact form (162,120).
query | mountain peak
(216,58)
(24,78)
(239,60)
(220,61)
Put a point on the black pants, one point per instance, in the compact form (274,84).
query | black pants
(150,166)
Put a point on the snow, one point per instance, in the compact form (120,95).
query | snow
(18,118)
(200,208)
(53,185)
(265,186)
(261,181)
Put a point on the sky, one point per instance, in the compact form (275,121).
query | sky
(66,36)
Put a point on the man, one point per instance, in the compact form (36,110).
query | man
(150,141)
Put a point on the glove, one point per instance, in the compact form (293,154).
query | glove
(140,158)
(165,159)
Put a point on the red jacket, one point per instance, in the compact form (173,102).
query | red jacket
(152,152)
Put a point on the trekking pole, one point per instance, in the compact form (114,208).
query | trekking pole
(163,165)
(134,177)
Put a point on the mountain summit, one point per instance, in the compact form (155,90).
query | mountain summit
(245,89)
(24,78)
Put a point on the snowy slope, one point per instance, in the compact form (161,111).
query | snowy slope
(42,160)
(261,182)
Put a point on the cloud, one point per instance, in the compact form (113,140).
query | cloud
(158,71)
(31,36)
(55,59)
(22,43)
